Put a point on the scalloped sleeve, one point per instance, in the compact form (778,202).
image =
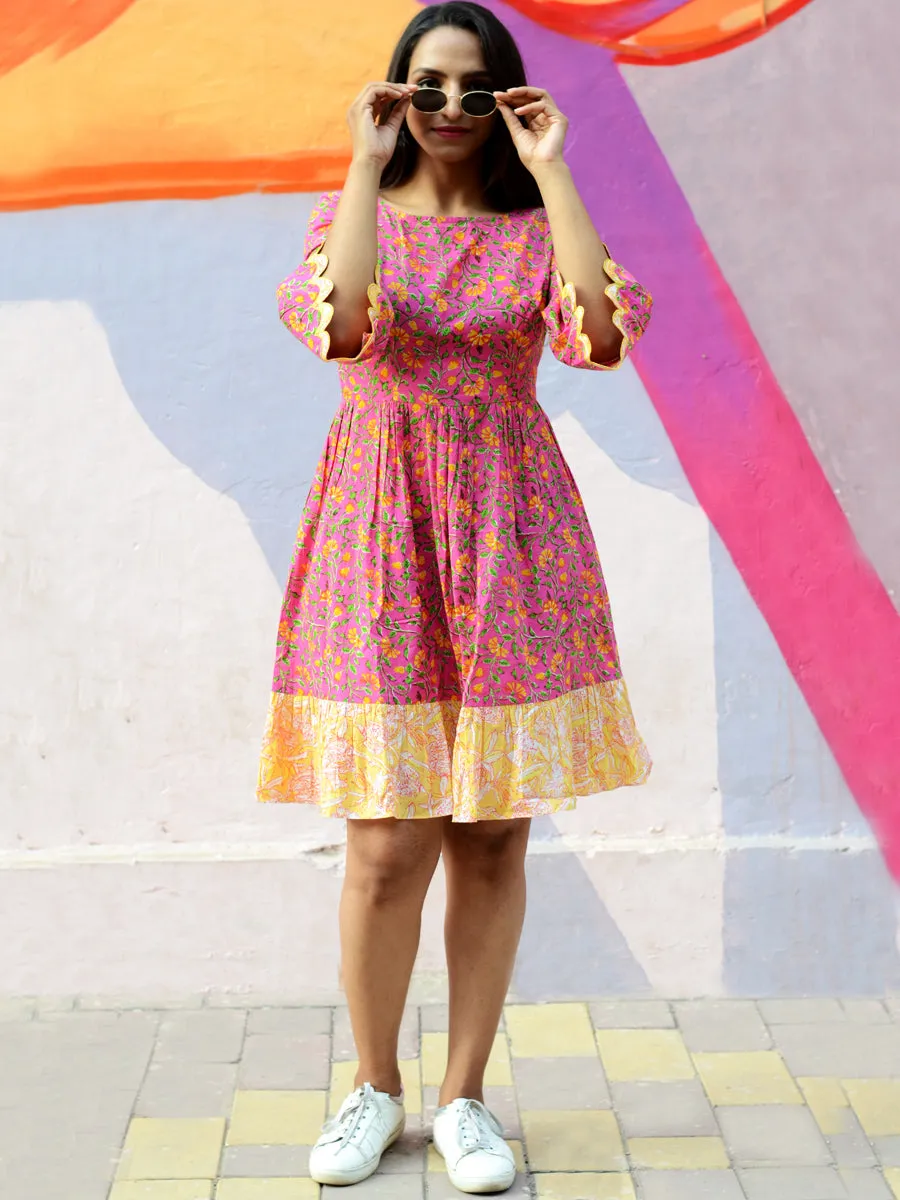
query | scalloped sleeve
(563,315)
(303,297)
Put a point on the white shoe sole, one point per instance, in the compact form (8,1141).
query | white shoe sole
(342,1178)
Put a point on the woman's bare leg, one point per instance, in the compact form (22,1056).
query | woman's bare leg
(485,867)
(389,867)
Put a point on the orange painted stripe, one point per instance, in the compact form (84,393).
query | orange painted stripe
(28,27)
(307,171)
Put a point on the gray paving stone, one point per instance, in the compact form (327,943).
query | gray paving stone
(410,1044)
(574,1083)
(272,1060)
(631,1014)
(721,1025)
(801,1011)
(187,1089)
(792,1183)
(865,1185)
(435,1018)
(440,1188)
(61,1172)
(344,1047)
(205,1035)
(110,1050)
(888,1150)
(664,1109)
(852,1148)
(275,1162)
(407,1154)
(772,1135)
(61,1135)
(503,1103)
(293,1022)
(382,1187)
(844,1050)
(688,1185)
(429,1104)
(865,1012)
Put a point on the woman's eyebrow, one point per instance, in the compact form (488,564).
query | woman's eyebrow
(440,74)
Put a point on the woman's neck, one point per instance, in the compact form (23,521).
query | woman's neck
(436,189)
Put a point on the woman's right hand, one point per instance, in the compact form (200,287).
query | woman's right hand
(372,140)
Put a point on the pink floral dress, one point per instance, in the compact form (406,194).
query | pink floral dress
(446,646)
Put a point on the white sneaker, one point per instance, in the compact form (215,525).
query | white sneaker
(353,1140)
(470,1139)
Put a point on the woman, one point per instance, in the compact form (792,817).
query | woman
(446,664)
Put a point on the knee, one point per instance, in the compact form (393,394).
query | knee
(487,852)
(390,865)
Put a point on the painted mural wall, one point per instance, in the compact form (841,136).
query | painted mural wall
(158,161)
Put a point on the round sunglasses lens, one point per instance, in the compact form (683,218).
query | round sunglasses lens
(428,100)
(478,104)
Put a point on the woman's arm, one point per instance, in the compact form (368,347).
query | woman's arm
(352,242)
(352,250)
(580,255)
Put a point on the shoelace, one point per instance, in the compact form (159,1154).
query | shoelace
(348,1117)
(475,1128)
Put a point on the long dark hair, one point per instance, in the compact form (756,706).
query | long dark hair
(508,184)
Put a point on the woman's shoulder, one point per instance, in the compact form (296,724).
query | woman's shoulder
(534,218)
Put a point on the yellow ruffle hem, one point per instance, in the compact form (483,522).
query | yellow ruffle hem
(446,759)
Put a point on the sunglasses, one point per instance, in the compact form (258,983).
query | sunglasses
(434,100)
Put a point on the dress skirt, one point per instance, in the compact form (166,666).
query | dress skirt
(446,646)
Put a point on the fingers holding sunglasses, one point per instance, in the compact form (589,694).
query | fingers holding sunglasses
(375,117)
(526,100)
(375,96)
(394,113)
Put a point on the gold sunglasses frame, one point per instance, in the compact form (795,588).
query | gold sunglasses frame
(430,112)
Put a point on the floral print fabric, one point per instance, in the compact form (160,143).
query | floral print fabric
(446,645)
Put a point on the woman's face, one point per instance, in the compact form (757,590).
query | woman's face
(450,59)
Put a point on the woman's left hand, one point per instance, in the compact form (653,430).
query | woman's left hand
(541,141)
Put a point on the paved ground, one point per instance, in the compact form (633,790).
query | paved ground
(602,1100)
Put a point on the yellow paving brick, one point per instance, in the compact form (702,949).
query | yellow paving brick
(678,1153)
(343,1075)
(267,1189)
(877,1104)
(162,1189)
(644,1054)
(172,1148)
(436,1162)
(573,1141)
(892,1175)
(749,1077)
(550,1030)
(275,1118)
(434,1061)
(827,1102)
(584,1185)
